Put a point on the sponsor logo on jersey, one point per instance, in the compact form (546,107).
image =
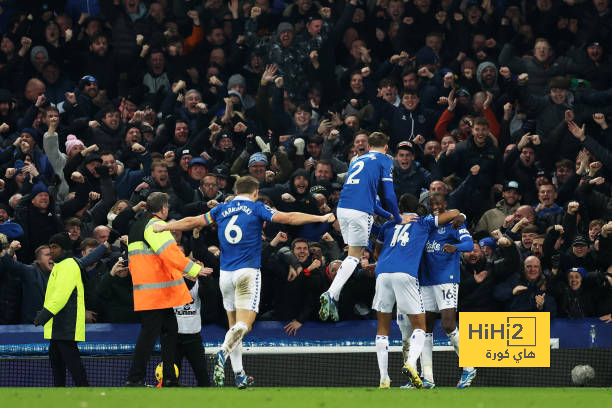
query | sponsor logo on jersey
(441,230)
(432,246)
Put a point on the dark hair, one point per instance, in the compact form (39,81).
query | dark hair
(109,109)
(156,201)
(387,82)
(297,241)
(480,120)
(564,163)
(88,243)
(408,203)
(530,229)
(97,36)
(73,221)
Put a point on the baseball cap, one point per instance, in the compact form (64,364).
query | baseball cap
(580,270)
(221,171)
(405,145)
(579,240)
(511,184)
(319,189)
(197,160)
(463,92)
(183,152)
(89,78)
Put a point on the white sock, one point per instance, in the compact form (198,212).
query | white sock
(406,328)
(454,338)
(427,357)
(382,355)
(233,337)
(416,346)
(236,357)
(344,273)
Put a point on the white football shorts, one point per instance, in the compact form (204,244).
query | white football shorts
(241,289)
(355,226)
(401,288)
(440,297)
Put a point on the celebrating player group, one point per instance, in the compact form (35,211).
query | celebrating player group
(417,267)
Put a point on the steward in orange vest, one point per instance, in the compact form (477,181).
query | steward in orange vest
(158,267)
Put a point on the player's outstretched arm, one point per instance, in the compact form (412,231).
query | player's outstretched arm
(184,224)
(447,216)
(298,218)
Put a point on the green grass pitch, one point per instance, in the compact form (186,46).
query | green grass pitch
(304,397)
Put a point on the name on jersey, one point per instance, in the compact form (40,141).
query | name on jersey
(185,312)
(232,210)
(432,246)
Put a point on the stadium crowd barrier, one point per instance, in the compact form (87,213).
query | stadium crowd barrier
(321,354)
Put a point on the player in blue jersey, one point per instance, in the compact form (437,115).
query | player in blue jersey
(367,174)
(440,284)
(240,224)
(400,248)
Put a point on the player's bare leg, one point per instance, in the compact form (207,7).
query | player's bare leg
(416,347)
(382,347)
(330,298)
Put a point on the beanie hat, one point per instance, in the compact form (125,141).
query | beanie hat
(236,80)
(38,188)
(36,50)
(284,26)
(426,56)
(71,142)
(19,164)
(258,157)
(62,239)
(30,131)
(488,242)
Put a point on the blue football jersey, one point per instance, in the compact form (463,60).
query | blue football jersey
(403,245)
(365,175)
(240,224)
(440,267)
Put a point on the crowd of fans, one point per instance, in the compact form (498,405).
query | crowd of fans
(502,106)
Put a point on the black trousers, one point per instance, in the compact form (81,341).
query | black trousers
(65,354)
(190,346)
(156,324)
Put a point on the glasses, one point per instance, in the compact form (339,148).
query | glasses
(209,184)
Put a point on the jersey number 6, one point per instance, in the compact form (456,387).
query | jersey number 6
(233,229)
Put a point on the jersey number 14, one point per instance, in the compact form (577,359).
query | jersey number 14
(401,235)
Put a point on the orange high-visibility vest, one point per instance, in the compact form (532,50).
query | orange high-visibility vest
(157,266)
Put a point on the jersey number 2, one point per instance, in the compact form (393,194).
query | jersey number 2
(233,233)
(357,167)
